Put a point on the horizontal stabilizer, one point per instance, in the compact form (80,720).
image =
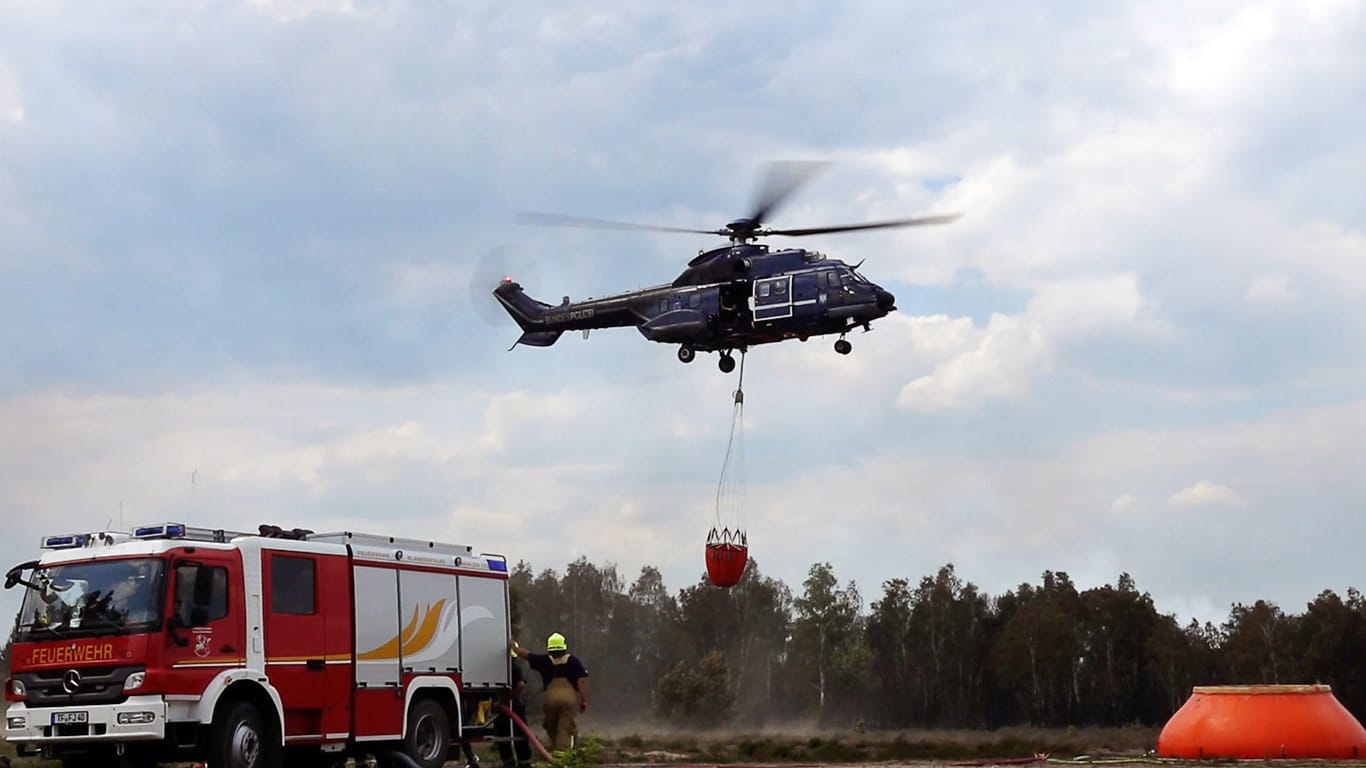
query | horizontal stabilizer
(539,338)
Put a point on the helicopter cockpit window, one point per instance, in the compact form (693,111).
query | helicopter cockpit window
(663,305)
(695,300)
(832,279)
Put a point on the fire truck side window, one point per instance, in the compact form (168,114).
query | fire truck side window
(291,585)
(201,594)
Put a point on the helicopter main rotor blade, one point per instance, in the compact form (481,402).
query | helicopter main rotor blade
(560,220)
(914,222)
(780,180)
(499,263)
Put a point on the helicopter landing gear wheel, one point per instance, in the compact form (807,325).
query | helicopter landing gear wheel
(843,347)
(686,354)
(726,363)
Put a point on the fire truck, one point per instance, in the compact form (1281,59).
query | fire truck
(256,650)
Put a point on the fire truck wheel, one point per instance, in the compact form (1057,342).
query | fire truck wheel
(239,739)
(429,733)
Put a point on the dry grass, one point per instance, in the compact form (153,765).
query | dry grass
(810,745)
(623,744)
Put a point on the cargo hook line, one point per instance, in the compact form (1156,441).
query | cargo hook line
(734,446)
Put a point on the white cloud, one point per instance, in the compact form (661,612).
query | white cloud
(999,362)
(1204,494)
(972,366)
(11,105)
(1271,289)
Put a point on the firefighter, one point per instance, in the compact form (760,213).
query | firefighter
(566,688)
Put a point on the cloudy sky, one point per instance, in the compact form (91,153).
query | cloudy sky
(242,281)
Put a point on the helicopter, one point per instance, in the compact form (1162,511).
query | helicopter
(731,297)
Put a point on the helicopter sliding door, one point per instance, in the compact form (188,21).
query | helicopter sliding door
(772,298)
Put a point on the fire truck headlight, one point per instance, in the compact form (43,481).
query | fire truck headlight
(15,723)
(134,681)
(135,718)
(17,688)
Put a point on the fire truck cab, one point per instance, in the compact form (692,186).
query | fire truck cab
(282,647)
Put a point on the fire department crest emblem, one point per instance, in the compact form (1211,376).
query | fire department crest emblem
(203,639)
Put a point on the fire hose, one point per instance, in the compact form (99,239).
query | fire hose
(531,737)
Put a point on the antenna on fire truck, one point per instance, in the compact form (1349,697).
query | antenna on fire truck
(190,516)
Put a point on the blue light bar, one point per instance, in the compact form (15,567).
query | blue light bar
(497,565)
(67,541)
(163,531)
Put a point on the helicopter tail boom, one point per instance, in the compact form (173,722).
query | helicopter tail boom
(528,312)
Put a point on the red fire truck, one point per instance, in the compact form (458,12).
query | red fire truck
(172,642)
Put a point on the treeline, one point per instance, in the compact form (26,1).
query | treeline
(934,653)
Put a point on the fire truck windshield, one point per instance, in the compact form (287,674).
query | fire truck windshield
(92,598)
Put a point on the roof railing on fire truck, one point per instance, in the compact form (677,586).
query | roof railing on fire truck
(376,540)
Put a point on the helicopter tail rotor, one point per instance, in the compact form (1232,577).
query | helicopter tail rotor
(528,312)
(497,265)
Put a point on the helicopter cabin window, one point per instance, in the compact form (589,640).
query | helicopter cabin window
(764,290)
(779,287)
(695,300)
(663,305)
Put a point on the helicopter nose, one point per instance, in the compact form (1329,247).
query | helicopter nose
(885,300)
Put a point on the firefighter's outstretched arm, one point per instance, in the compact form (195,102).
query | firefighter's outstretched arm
(583,694)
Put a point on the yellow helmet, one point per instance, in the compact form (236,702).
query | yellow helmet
(555,642)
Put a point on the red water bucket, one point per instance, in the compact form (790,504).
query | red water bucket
(1258,722)
(727,554)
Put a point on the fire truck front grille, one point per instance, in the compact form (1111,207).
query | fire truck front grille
(96,685)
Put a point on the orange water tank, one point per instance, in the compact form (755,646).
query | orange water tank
(1263,721)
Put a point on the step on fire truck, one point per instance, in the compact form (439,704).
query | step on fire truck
(283,647)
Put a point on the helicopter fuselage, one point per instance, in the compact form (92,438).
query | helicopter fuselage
(729,298)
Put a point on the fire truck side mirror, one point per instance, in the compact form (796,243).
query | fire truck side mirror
(173,627)
(15,574)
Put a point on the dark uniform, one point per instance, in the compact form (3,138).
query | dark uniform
(518,706)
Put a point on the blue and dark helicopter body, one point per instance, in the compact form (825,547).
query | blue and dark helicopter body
(767,296)
(729,298)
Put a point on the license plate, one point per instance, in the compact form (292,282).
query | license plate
(70,718)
